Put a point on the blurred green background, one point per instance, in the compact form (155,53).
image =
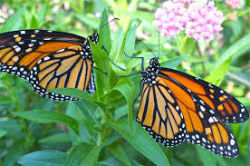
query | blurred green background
(101,129)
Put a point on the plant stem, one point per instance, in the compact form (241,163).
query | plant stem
(203,62)
(236,77)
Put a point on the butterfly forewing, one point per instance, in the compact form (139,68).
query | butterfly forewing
(225,105)
(48,59)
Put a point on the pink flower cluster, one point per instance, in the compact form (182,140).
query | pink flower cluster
(234,3)
(199,21)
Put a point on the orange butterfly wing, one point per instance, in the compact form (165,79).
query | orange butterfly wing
(225,105)
(66,69)
(20,52)
(160,115)
(203,126)
(173,109)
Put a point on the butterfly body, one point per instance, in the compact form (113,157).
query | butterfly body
(176,107)
(49,59)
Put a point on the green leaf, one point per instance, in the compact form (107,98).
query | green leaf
(142,142)
(117,50)
(77,6)
(74,92)
(100,57)
(248,146)
(185,45)
(237,49)
(85,127)
(130,41)
(13,127)
(88,111)
(43,158)
(216,76)
(34,23)
(83,154)
(173,62)
(90,21)
(118,151)
(104,32)
(14,22)
(207,158)
(5,100)
(126,88)
(101,61)
(60,137)
(48,117)
(41,15)
(2,133)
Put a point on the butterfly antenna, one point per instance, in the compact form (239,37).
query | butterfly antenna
(147,47)
(159,44)
(107,23)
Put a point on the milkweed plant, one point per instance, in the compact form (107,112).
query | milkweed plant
(200,21)
(198,37)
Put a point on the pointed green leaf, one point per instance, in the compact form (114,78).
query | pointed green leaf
(118,151)
(14,22)
(104,32)
(216,76)
(173,62)
(142,142)
(238,48)
(126,88)
(73,92)
(2,133)
(83,154)
(43,158)
(60,137)
(117,51)
(130,41)
(48,117)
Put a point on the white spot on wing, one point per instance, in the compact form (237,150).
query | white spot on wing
(211,120)
(46,58)
(232,142)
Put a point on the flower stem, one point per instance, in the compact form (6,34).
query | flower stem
(203,62)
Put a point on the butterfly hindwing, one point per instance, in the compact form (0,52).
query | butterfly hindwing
(160,115)
(63,69)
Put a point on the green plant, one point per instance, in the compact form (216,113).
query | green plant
(101,129)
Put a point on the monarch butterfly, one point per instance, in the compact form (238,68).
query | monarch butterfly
(49,59)
(176,107)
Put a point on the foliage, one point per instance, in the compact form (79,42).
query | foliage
(101,129)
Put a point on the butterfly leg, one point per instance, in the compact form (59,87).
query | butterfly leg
(105,73)
(142,60)
(111,60)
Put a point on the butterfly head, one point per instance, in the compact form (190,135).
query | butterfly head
(94,37)
(151,72)
(154,62)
